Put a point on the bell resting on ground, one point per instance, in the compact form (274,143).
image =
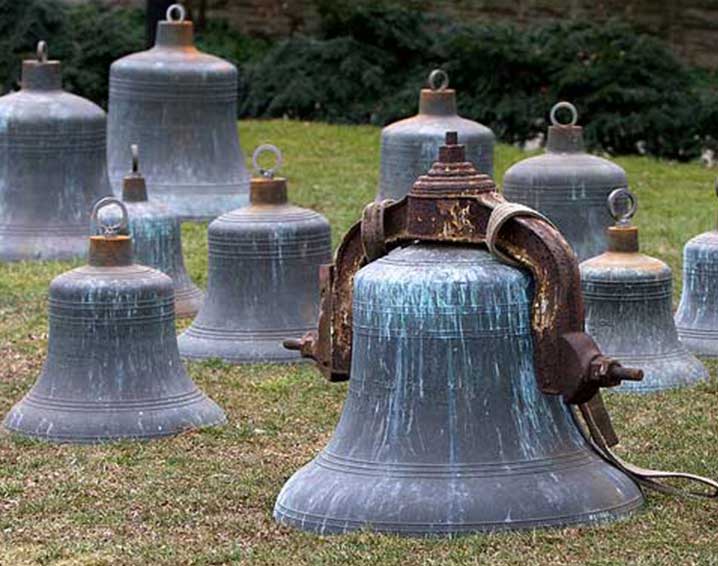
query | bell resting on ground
(568,185)
(410,146)
(697,314)
(263,280)
(444,429)
(157,240)
(628,298)
(112,370)
(180,106)
(52,166)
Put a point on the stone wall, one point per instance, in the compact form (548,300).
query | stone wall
(690,26)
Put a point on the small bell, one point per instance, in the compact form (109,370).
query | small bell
(112,370)
(157,239)
(568,185)
(52,166)
(697,315)
(410,146)
(263,282)
(180,105)
(628,298)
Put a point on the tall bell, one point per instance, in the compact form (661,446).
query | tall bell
(410,146)
(568,185)
(629,298)
(112,369)
(444,429)
(52,166)
(697,314)
(180,106)
(157,239)
(263,281)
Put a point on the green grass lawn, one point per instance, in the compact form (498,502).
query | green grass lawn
(207,497)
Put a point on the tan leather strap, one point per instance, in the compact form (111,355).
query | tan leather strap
(650,479)
(501,214)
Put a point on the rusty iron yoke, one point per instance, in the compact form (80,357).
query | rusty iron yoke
(453,204)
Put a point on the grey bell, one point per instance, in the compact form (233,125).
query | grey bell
(180,106)
(263,281)
(112,370)
(628,298)
(52,166)
(410,146)
(568,185)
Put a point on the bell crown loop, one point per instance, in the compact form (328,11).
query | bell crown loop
(110,248)
(438,99)
(177,9)
(264,188)
(622,217)
(41,73)
(438,80)
(623,237)
(134,187)
(105,229)
(564,137)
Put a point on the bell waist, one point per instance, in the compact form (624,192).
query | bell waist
(173,91)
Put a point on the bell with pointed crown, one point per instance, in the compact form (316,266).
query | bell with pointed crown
(52,166)
(113,369)
(410,146)
(628,298)
(444,429)
(568,185)
(157,238)
(180,106)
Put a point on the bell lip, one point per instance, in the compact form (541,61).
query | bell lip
(437,102)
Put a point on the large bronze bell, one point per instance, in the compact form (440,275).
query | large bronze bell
(697,314)
(112,369)
(629,298)
(180,106)
(410,146)
(263,281)
(52,166)
(453,421)
(568,185)
(157,239)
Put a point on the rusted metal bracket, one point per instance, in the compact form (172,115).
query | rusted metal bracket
(453,204)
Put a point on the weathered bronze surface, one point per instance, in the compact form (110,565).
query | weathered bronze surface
(52,166)
(629,298)
(112,370)
(445,429)
(410,146)
(568,185)
(697,315)
(157,239)
(263,278)
(180,106)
